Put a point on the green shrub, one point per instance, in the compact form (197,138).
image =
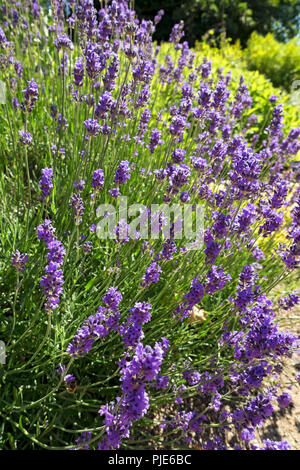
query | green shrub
(280,62)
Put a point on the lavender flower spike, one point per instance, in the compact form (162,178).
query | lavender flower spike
(46,183)
(53,280)
(18,260)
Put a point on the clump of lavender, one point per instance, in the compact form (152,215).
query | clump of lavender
(207,149)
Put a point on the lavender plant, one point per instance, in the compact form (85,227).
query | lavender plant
(105,344)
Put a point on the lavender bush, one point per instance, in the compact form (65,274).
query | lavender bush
(134,341)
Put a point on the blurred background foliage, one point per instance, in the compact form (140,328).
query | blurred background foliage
(278,61)
(265,34)
(239,19)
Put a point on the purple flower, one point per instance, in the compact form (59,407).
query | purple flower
(245,218)
(151,275)
(78,72)
(83,440)
(199,164)
(53,280)
(216,280)
(112,298)
(205,68)
(62,123)
(46,183)
(3,39)
(178,155)
(92,127)
(94,63)
(247,434)
(273,222)
(179,175)
(98,179)
(275,445)
(25,137)
(221,94)
(192,377)
(52,286)
(185,196)
(115,192)
(177,32)
(56,251)
(289,301)
(276,123)
(169,249)
(155,139)
(177,126)
(159,16)
(122,232)
(46,232)
(212,249)
(18,260)
(131,330)
(195,294)
(97,326)
(122,173)
(104,105)
(18,69)
(31,95)
(69,379)
(87,247)
(273,99)
(109,79)
(63,42)
(77,204)
(284,400)
(144,98)
(162,382)
(143,72)
(15,103)
(79,185)
(140,313)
